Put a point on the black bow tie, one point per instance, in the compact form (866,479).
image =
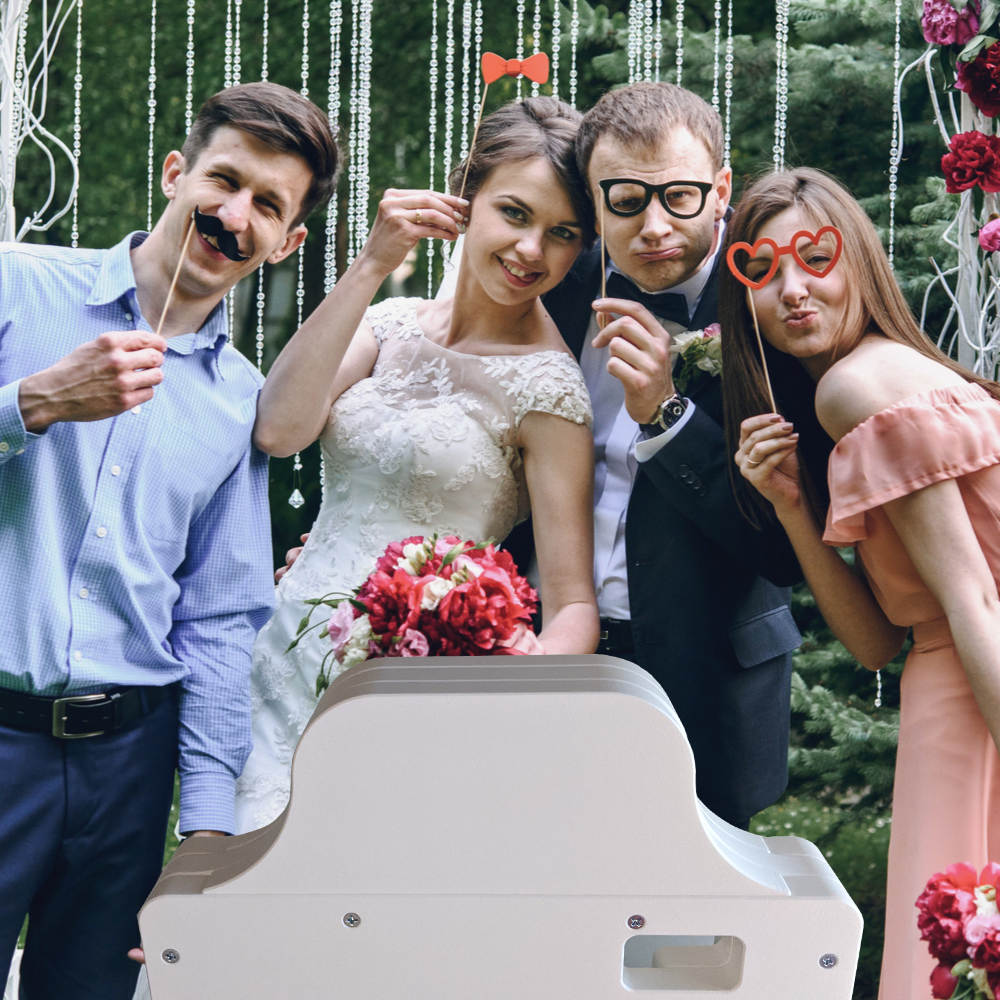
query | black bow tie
(670,306)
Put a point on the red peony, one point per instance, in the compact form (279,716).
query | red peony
(943,983)
(974,159)
(944,905)
(980,79)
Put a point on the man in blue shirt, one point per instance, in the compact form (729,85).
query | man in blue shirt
(135,533)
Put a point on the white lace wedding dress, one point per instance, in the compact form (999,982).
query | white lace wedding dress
(426,444)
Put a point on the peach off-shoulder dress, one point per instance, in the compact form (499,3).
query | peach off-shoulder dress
(946,798)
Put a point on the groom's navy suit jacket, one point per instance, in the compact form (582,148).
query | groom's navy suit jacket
(709,594)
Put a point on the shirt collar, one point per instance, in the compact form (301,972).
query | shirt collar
(116,280)
(695,285)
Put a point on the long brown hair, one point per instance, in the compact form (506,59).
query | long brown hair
(884,311)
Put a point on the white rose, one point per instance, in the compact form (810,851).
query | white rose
(356,648)
(468,567)
(680,343)
(985,907)
(434,591)
(413,558)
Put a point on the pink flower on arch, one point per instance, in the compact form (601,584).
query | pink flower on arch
(943,25)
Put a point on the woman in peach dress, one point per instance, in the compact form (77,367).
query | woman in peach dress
(914,485)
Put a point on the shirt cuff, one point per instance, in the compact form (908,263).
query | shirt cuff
(208,802)
(13,436)
(647,447)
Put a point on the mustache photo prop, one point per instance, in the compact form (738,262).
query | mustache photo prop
(755,282)
(211,225)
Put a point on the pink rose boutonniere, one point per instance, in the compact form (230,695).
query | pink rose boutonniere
(700,352)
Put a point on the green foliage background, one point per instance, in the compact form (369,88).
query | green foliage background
(839,119)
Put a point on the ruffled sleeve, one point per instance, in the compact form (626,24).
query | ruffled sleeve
(547,382)
(923,439)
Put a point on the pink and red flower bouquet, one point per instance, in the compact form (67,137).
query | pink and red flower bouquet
(428,597)
(960,922)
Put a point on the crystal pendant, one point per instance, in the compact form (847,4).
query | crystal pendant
(296,499)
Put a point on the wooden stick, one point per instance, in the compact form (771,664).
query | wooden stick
(604,266)
(475,135)
(763,360)
(177,273)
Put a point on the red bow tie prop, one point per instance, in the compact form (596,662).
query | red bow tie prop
(535,68)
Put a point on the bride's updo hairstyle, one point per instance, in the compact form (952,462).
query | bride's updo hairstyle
(876,306)
(523,130)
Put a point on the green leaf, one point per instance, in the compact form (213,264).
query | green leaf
(959,5)
(360,605)
(988,15)
(974,47)
(479,546)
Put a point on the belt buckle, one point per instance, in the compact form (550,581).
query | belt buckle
(59,718)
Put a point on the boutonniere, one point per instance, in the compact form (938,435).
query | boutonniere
(700,351)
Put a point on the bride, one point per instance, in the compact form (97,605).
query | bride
(439,416)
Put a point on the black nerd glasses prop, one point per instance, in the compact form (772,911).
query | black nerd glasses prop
(648,190)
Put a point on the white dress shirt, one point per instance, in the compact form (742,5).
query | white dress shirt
(619,446)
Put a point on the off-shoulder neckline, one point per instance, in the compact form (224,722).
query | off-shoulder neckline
(411,302)
(973,389)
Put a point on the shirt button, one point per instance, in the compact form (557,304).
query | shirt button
(137,409)
(128,316)
(4,446)
(84,593)
(116,470)
(78,655)
(101,532)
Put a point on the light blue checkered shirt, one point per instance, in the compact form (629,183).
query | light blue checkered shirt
(136,550)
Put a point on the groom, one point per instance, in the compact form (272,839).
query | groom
(135,533)
(686,588)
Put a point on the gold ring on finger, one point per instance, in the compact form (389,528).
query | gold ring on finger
(418,217)
(750,461)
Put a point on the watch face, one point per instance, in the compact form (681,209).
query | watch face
(673,410)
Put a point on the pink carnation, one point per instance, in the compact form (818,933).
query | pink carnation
(943,25)
(340,625)
(989,236)
(712,330)
(414,644)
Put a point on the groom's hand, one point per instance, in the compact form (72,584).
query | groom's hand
(640,356)
(112,374)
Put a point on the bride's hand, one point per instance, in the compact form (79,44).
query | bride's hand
(767,458)
(406,217)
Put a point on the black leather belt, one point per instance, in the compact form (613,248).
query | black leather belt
(616,636)
(77,716)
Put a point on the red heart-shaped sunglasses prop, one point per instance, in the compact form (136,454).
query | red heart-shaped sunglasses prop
(535,68)
(792,249)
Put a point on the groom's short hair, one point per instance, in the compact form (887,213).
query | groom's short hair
(641,114)
(280,119)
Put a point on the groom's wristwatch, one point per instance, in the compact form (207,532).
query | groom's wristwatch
(671,410)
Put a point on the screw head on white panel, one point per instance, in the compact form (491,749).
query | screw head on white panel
(171,957)
(351,920)
(828,961)
(635,922)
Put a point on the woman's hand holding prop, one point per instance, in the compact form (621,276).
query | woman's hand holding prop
(407,216)
(768,460)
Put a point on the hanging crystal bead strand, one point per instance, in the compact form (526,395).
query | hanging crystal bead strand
(189,70)
(715,57)
(466,76)
(228,61)
(77,93)
(659,38)
(296,499)
(152,115)
(574,41)
(479,55)
(781,87)
(261,302)
(432,133)
(680,40)
(727,141)
(894,156)
(536,38)
(237,43)
(647,47)
(333,116)
(556,44)
(632,47)
(520,40)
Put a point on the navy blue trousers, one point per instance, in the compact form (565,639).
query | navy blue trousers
(82,829)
